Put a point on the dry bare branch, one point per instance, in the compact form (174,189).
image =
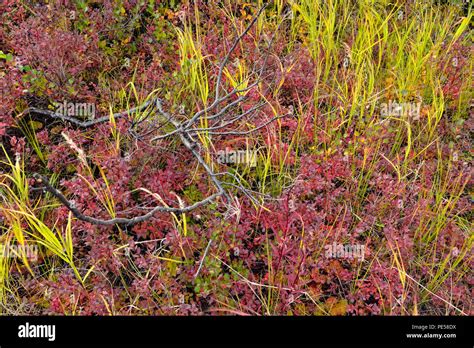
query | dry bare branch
(184,131)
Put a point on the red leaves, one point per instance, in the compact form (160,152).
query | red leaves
(3,128)
(336,186)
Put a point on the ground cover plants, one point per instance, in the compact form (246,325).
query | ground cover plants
(294,157)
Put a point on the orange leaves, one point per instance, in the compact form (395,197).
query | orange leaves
(336,307)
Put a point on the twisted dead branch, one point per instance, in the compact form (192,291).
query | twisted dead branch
(219,115)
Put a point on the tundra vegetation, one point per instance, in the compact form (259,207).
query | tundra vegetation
(122,124)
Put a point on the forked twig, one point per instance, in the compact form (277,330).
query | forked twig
(184,130)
